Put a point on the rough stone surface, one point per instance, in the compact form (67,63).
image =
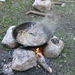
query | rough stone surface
(23,59)
(54,48)
(42,4)
(8,39)
(35,36)
(7,69)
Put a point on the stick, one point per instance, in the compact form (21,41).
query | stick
(42,62)
(37,13)
(57,3)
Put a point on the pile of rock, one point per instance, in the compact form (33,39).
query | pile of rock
(24,59)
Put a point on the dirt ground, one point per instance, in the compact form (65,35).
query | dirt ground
(12,12)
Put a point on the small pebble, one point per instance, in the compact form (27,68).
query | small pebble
(32,16)
(64,55)
(60,65)
(65,61)
(38,66)
(74,38)
(63,5)
(4,60)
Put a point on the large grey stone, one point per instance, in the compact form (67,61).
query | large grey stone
(42,5)
(35,36)
(23,59)
(8,39)
(54,47)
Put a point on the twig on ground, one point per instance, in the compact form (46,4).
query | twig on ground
(37,13)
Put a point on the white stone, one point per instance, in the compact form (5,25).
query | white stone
(74,38)
(7,69)
(53,50)
(63,5)
(3,0)
(8,38)
(42,4)
(23,59)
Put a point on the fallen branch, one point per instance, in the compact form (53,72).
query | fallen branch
(61,2)
(45,14)
(42,62)
(57,3)
(37,13)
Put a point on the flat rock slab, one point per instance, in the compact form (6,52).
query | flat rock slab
(34,35)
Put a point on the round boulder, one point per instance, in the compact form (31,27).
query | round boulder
(54,47)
